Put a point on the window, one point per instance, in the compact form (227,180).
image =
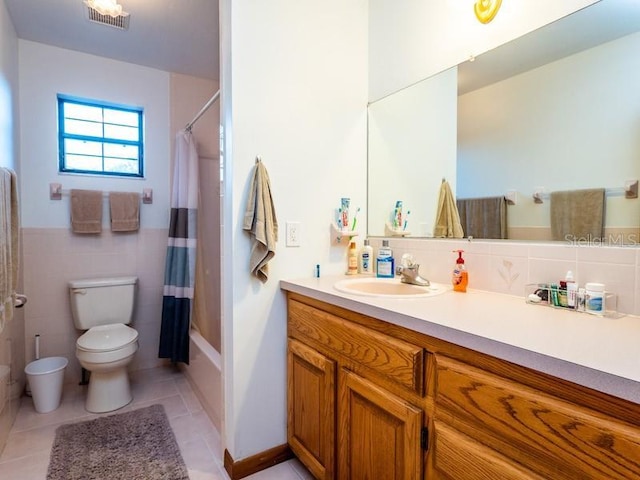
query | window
(99,138)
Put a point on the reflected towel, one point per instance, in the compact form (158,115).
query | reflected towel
(9,241)
(483,217)
(125,211)
(261,223)
(447,217)
(86,211)
(577,214)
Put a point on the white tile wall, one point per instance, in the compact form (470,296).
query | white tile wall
(53,256)
(506,267)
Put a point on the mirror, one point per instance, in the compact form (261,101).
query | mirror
(554,110)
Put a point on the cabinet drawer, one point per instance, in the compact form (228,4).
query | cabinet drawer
(399,361)
(460,457)
(555,438)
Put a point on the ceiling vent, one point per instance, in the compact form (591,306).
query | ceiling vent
(120,22)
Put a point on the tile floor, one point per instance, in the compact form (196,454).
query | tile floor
(26,455)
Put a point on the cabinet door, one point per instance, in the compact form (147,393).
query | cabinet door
(457,457)
(311,403)
(378,432)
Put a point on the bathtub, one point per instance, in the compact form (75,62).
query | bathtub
(204,373)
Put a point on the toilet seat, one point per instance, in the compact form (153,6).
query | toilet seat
(107,338)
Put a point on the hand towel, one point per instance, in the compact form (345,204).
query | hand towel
(125,211)
(9,241)
(261,223)
(577,214)
(483,217)
(86,211)
(447,217)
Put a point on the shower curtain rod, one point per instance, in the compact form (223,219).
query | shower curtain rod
(202,110)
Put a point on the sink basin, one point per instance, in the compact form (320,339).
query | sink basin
(388,287)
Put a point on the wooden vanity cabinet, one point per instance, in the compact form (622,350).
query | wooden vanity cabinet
(368,399)
(355,398)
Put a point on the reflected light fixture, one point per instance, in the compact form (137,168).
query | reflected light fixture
(486,10)
(106,7)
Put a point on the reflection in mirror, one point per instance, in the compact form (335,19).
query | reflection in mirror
(568,124)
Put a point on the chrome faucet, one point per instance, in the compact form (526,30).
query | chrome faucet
(409,272)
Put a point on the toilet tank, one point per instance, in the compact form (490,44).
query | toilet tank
(101,301)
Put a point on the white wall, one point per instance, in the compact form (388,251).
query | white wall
(545,128)
(295,92)
(46,71)
(425,37)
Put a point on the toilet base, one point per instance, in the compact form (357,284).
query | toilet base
(108,391)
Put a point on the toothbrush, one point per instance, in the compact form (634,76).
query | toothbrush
(406,220)
(355,217)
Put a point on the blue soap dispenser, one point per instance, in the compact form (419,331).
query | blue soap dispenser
(385,267)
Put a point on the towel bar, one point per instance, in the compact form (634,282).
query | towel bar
(56,192)
(630,191)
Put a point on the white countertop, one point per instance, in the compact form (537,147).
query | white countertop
(597,352)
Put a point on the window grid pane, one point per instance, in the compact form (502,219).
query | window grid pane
(99,138)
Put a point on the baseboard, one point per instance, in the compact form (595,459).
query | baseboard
(256,463)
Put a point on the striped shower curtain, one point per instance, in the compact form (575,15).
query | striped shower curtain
(180,266)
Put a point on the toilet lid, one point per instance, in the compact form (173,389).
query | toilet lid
(107,337)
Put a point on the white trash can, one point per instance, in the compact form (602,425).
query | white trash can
(45,378)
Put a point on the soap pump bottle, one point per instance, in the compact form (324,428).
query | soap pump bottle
(366,258)
(460,277)
(352,259)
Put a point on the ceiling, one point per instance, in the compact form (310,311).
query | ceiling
(173,35)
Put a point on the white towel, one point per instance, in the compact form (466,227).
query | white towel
(261,223)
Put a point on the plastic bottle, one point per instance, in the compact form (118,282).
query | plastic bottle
(460,276)
(572,290)
(385,265)
(352,259)
(366,259)
(581,300)
(594,298)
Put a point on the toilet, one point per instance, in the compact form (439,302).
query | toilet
(103,308)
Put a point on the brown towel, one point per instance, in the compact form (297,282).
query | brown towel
(447,218)
(125,211)
(483,217)
(86,211)
(261,223)
(577,214)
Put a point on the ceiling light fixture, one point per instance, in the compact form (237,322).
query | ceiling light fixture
(106,7)
(485,10)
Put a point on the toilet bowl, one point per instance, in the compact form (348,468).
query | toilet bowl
(106,351)
(103,308)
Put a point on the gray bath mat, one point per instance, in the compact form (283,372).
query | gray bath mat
(133,445)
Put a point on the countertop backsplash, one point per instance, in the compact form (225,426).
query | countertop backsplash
(508,266)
